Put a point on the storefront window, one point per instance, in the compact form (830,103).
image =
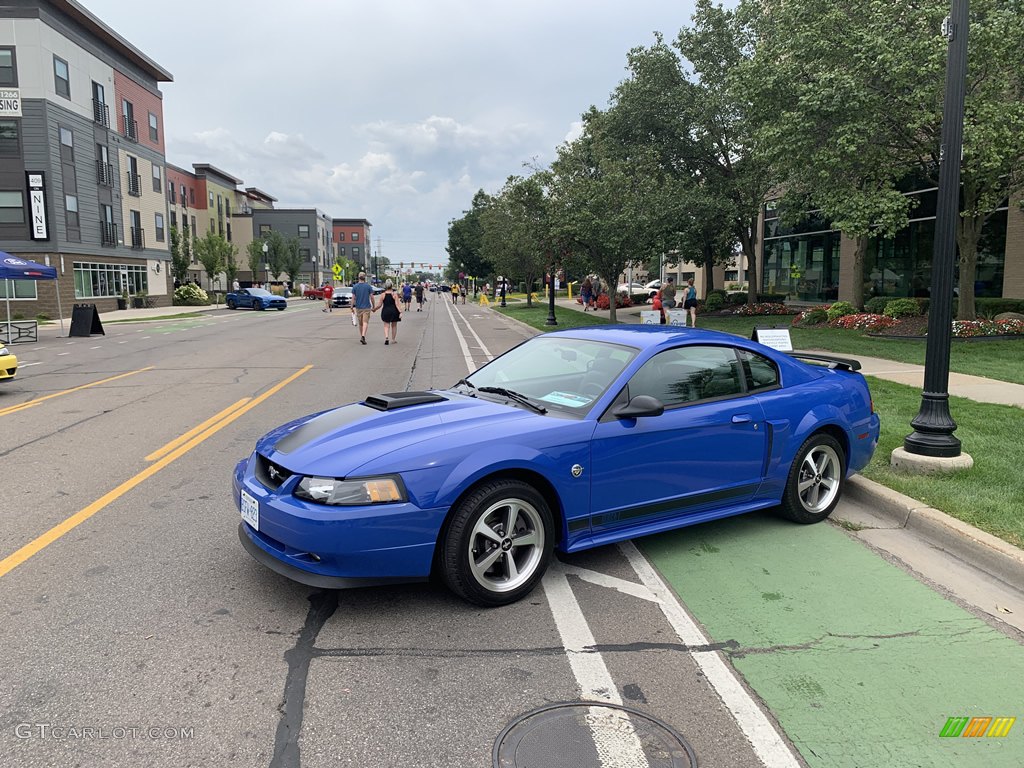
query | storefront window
(109,280)
(803,267)
(19,289)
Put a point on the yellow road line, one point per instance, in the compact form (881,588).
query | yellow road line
(30,403)
(12,561)
(196,430)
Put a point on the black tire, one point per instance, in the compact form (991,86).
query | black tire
(492,504)
(280,309)
(231,303)
(816,480)
(258,306)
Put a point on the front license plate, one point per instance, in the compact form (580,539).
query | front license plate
(250,510)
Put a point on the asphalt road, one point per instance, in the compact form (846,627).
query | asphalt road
(137,631)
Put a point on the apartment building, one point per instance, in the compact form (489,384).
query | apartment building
(81,189)
(313,229)
(351,238)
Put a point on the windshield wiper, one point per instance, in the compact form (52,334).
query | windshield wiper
(469,384)
(513,395)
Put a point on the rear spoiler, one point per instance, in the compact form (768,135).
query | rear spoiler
(843,363)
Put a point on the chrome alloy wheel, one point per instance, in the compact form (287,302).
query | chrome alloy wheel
(819,479)
(506,545)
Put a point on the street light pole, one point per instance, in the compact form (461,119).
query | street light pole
(933,425)
(551,296)
(266,264)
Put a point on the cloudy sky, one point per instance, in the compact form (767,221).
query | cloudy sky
(396,111)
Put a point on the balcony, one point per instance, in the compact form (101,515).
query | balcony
(104,174)
(100,113)
(108,233)
(131,129)
(138,238)
(134,184)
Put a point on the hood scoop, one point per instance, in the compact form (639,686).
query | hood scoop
(394,400)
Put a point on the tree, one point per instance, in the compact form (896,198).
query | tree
(231,266)
(256,259)
(349,268)
(278,253)
(213,252)
(609,209)
(292,262)
(180,259)
(515,227)
(465,238)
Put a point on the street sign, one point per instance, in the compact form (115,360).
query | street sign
(336,269)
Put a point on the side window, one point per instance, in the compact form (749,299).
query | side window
(686,375)
(760,372)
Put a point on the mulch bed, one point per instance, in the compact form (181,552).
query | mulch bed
(908,326)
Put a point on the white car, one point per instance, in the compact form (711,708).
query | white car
(631,288)
(652,288)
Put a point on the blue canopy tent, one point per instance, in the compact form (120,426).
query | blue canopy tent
(17,268)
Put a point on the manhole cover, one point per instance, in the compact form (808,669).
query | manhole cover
(590,735)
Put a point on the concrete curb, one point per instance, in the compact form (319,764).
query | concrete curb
(965,542)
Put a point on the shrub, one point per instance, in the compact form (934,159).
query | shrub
(714,302)
(190,295)
(763,309)
(923,305)
(876,306)
(772,298)
(902,308)
(839,309)
(639,298)
(812,316)
(862,322)
(718,292)
(737,298)
(42,317)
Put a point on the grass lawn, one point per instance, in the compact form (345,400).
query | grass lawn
(161,317)
(1000,360)
(987,495)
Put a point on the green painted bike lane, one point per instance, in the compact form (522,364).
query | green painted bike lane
(861,664)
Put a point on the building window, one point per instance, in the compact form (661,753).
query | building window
(8,70)
(71,209)
(12,207)
(104,280)
(159,227)
(193,235)
(355,237)
(303,230)
(355,252)
(304,253)
(174,220)
(67,145)
(61,77)
(154,135)
(211,200)
(170,192)
(10,142)
(158,183)
(20,289)
(264,230)
(213,225)
(131,128)
(341,250)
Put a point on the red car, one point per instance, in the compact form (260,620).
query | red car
(317,294)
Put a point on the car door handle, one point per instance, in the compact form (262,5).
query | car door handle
(741,418)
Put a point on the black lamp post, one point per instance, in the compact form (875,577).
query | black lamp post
(551,298)
(933,425)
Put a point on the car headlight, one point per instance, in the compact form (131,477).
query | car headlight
(335,492)
(3,350)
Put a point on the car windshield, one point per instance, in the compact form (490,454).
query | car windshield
(259,292)
(563,373)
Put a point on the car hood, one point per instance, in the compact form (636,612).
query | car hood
(337,442)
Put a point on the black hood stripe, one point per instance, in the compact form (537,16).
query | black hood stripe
(323,424)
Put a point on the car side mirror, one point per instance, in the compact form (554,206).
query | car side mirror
(641,405)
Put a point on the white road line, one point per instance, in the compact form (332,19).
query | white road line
(766,741)
(61,354)
(462,341)
(617,743)
(94,347)
(478,341)
(26,365)
(612,582)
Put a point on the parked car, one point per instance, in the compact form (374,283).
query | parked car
(652,288)
(8,364)
(342,297)
(571,440)
(254,298)
(317,294)
(631,288)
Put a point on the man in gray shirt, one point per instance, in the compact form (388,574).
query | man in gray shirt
(362,305)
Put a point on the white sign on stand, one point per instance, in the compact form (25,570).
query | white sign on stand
(677,317)
(776,338)
(650,317)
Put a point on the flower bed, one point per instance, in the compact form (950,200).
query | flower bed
(621,301)
(863,322)
(812,315)
(764,308)
(969,329)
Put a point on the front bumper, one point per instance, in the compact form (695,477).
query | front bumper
(337,547)
(8,367)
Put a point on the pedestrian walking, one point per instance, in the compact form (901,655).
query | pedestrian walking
(362,304)
(407,296)
(328,295)
(455,293)
(389,312)
(668,294)
(419,297)
(235,286)
(586,294)
(690,302)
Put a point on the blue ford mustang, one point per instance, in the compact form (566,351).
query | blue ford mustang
(572,440)
(254,298)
